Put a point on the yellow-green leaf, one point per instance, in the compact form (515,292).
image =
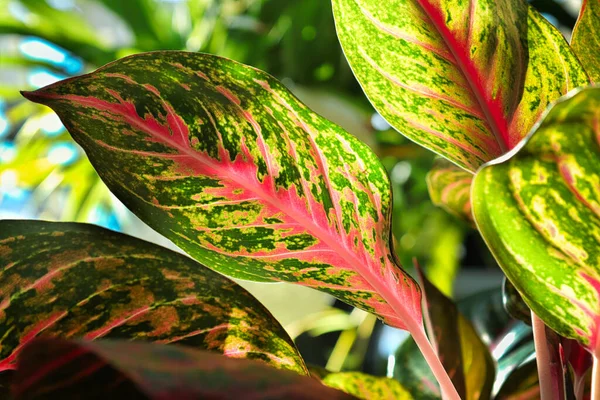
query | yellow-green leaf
(465,79)
(538,210)
(450,188)
(586,38)
(366,386)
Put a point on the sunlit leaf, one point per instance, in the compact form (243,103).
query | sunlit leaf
(77,280)
(467,80)
(539,211)
(585,38)
(60,369)
(450,188)
(367,387)
(221,159)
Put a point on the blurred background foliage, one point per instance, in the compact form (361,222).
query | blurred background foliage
(44,174)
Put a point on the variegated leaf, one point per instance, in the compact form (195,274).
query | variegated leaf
(464,79)
(585,40)
(538,209)
(220,158)
(78,280)
(109,369)
(450,188)
(367,387)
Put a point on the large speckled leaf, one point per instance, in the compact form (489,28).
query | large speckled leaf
(450,188)
(585,40)
(464,356)
(367,387)
(538,209)
(464,79)
(77,280)
(106,369)
(220,158)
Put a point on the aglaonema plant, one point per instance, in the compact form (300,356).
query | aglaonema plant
(222,160)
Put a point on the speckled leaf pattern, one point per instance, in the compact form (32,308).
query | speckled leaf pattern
(586,38)
(367,387)
(220,158)
(466,79)
(81,281)
(538,210)
(464,356)
(108,369)
(450,188)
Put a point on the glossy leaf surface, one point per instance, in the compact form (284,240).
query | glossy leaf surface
(413,373)
(465,79)
(78,280)
(450,188)
(224,161)
(366,386)
(60,369)
(465,357)
(585,38)
(539,212)
(514,304)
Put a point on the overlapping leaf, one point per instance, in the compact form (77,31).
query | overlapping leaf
(223,160)
(464,79)
(465,357)
(585,42)
(539,212)
(450,188)
(60,369)
(77,280)
(366,386)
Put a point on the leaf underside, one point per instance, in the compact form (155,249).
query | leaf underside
(220,158)
(539,212)
(60,369)
(467,81)
(77,280)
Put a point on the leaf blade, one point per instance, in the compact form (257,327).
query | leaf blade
(449,187)
(66,369)
(584,40)
(425,67)
(259,191)
(78,280)
(545,192)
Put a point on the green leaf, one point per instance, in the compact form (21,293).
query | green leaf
(514,304)
(538,210)
(77,280)
(585,38)
(466,80)
(61,369)
(522,383)
(450,188)
(220,158)
(464,356)
(366,386)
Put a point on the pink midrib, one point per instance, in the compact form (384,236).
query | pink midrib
(412,323)
(492,109)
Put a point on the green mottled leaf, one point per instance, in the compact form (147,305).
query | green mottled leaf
(465,79)
(77,280)
(366,386)
(514,304)
(538,209)
(585,38)
(450,188)
(61,369)
(220,158)
(464,356)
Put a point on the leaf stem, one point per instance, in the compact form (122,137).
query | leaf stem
(595,379)
(549,373)
(448,390)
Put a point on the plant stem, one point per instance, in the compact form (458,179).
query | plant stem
(446,385)
(595,379)
(548,364)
